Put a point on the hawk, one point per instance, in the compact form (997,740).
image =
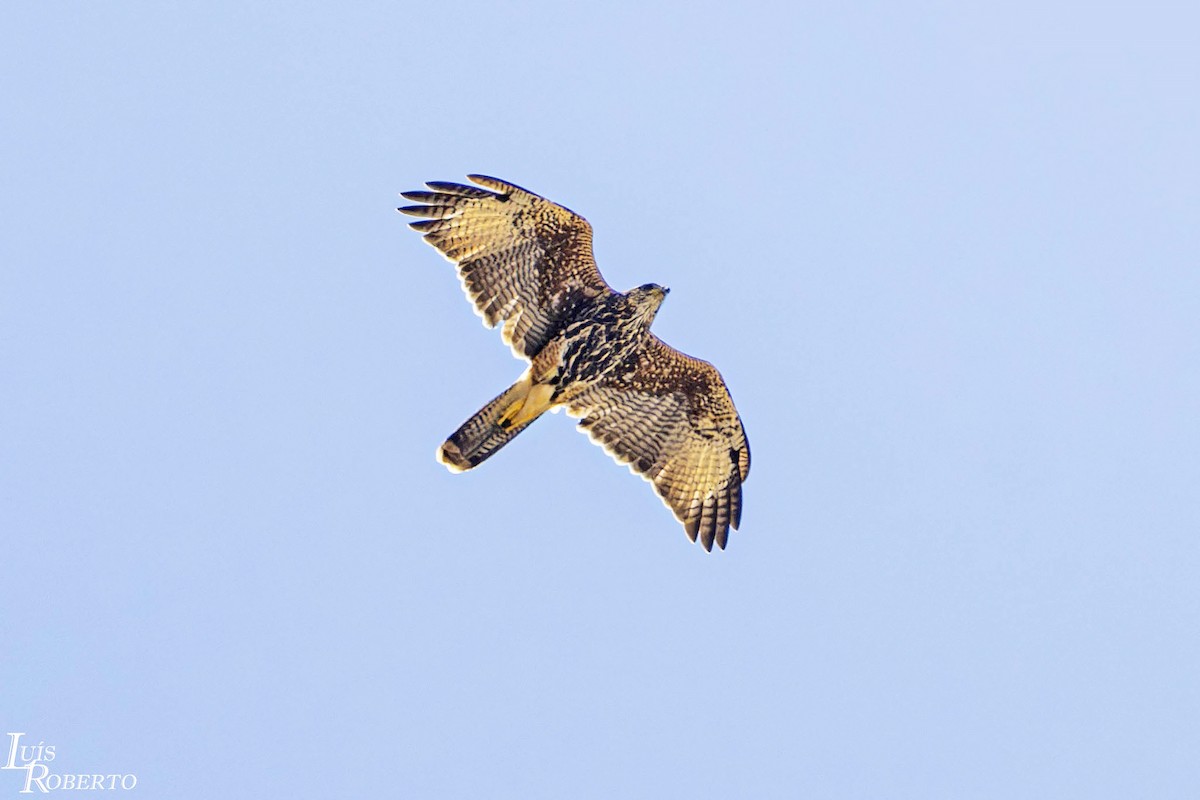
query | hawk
(526,264)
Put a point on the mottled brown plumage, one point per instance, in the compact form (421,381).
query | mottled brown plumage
(526,264)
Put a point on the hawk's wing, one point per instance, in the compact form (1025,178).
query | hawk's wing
(673,422)
(523,260)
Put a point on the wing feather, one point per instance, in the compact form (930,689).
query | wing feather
(524,262)
(672,421)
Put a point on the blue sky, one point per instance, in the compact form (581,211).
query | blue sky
(945,256)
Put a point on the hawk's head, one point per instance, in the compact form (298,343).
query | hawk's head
(646,299)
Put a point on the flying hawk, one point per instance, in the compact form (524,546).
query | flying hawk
(526,264)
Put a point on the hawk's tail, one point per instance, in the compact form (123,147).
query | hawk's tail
(492,427)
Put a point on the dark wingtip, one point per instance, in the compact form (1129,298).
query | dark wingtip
(722,537)
(501,189)
(458,189)
(736,499)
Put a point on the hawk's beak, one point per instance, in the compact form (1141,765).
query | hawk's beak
(666,291)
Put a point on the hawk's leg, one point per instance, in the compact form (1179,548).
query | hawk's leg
(535,403)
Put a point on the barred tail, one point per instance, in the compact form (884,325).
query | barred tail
(492,427)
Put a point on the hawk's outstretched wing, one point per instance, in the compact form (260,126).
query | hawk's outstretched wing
(523,260)
(673,422)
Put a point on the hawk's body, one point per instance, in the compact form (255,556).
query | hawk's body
(527,264)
